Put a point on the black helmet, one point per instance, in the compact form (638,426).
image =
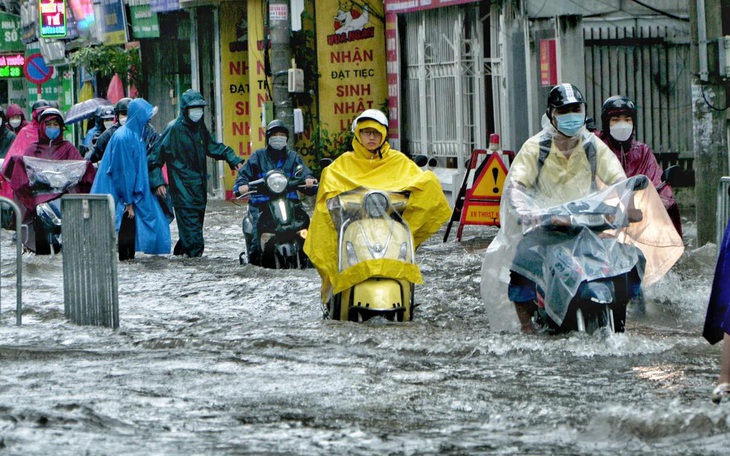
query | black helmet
(105,112)
(563,95)
(274,126)
(614,106)
(2,112)
(122,105)
(38,106)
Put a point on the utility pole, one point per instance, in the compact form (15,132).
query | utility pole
(709,113)
(279,29)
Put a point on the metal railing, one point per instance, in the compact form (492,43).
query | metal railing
(4,203)
(90,282)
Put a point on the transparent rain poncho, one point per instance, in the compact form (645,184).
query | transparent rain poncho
(561,224)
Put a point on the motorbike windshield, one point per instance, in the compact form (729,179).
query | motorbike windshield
(370,226)
(53,176)
(611,231)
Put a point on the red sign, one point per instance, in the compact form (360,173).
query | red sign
(548,63)
(53,18)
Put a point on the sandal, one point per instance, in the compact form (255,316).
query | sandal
(721,391)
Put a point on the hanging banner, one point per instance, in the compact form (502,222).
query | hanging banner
(259,84)
(52,18)
(113,22)
(144,22)
(235,84)
(351,56)
(392,76)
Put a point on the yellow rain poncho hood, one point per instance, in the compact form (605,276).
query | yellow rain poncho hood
(387,170)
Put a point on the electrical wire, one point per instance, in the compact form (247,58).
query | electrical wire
(707,102)
(658,11)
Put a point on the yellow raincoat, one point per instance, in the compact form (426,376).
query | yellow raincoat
(427,210)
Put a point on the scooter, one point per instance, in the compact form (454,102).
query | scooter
(585,275)
(370,227)
(47,181)
(282,224)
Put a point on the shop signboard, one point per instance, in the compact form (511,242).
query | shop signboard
(113,22)
(409,6)
(52,14)
(10,33)
(11,65)
(235,84)
(351,52)
(259,94)
(144,22)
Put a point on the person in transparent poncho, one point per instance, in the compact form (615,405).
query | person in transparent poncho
(562,163)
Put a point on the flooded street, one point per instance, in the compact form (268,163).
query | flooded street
(216,358)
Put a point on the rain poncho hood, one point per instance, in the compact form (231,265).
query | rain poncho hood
(427,210)
(123,174)
(529,189)
(15,110)
(24,138)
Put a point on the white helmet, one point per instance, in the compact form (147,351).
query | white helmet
(371,114)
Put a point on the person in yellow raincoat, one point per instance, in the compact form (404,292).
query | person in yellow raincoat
(373,164)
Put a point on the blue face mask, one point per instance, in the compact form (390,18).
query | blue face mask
(53,132)
(569,124)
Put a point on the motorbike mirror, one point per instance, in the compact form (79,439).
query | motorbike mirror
(420,160)
(640,182)
(671,174)
(325,162)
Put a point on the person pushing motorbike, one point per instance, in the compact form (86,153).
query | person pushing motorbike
(561,164)
(277,156)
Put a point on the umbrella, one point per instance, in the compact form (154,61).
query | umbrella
(85,109)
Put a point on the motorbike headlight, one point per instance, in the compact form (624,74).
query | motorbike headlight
(351,255)
(276,182)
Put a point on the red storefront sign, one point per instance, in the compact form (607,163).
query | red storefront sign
(548,63)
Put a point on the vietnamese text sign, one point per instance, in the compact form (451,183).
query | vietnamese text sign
(548,63)
(235,83)
(10,34)
(52,18)
(11,66)
(351,55)
(258,80)
(144,22)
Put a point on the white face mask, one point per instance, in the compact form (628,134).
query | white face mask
(277,142)
(195,114)
(621,131)
(122,120)
(108,123)
(14,122)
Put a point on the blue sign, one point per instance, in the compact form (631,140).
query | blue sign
(36,70)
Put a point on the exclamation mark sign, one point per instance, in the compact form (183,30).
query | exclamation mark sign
(495,173)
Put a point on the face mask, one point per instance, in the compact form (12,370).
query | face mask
(15,123)
(569,124)
(122,120)
(108,124)
(53,132)
(195,114)
(277,142)
(621,131)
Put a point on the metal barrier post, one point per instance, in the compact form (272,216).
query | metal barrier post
(18,259)
(723,212)
(90,282)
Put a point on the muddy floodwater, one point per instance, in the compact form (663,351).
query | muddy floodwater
(216,358)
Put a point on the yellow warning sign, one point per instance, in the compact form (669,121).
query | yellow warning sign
(490,181)
(480,213)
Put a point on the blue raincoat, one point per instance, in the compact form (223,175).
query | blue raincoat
(123,174)
(717,319)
